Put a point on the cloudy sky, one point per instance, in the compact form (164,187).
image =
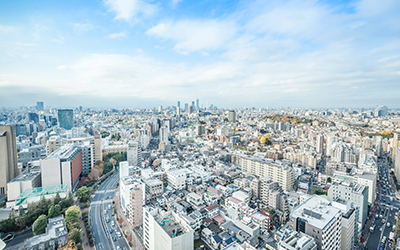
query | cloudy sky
(139,53)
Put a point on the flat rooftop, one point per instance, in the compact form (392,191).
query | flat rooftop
(26,176)
(317,211)
(170,225)
(66,152)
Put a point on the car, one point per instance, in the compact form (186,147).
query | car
(388,224)
(112,223)
(107,197)
(105,211)
(118,248)
(110,231)
(114,238)
(107,220)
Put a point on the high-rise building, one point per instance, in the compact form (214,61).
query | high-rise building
(56,142)
(191,108)
(62,167)
(200,129)
(197,104)
(66,118)
(8,157)
(381,111)
(33,117)
(283,174)
(136,204)
(178,112)
(320,143)
(317,218)
(179,104)
(134,154)
(232,116)
(193,104)
(40,106)
(351,192)
(160,108)
(292,240)
(165,230)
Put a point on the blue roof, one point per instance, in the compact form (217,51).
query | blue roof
(217,238)
(234,229)
(230,240)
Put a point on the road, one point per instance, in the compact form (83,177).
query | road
(386,211)
(100,211)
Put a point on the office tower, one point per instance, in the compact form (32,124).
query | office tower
(62,167)
(33,117)
(381,111)
(8,157)
(193,104)
(232,116)
(134,154)
(39,106)
(178,112)
(166,230)
(320,143)
(160,108)
(136,204)
(317,218)
(378,145)
(329,145)
(351,192)
(20,129)
(197,104)
(66,118)
(186,107)
(179,104)
(191,108)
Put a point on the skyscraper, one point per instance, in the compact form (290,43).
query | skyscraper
(179,104)
(66,118)
(39,106)
(33,117)
(193,104)
(320,143)
(197,104)
(8,157)
(186,107)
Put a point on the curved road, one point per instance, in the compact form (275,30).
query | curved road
(99,211)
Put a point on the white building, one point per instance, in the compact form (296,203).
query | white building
(165,230)
(293,240)
(176,178)
(317,218)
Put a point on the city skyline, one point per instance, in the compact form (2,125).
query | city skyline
(119,53)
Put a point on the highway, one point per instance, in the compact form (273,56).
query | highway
(102,219)
(388,206)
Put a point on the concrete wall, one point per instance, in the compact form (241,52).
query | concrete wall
(51,172)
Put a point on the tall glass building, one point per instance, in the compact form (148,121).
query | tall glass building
(66,118)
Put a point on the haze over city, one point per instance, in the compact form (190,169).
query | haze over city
(124,53)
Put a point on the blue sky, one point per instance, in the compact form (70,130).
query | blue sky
(138,53)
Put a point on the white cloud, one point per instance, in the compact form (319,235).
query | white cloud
(61,67)
(118,35)
(83,27)
(194,35)
(128,10)
(175,2)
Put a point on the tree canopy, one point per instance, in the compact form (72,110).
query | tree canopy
(40,224)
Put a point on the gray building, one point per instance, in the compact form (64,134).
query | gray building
(87,158)
(8,157)
(33,153)
(351,192)
(33,117)
(66,118)
(56,235)
(40,106)
(232,116)
(292,240)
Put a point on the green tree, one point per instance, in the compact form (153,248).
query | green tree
(79,246)
(329,180)
(71,216)
(57,199)
(39,226)
(70,200)
(51,212)
(76,236)
(84,193)
(57,210)
(43,204)
(21,211)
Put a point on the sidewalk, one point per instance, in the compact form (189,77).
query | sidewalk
(85,241)
(125,225)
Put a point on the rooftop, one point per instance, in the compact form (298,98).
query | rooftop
(317,211)
(26,176)
(55,229)
(66,152)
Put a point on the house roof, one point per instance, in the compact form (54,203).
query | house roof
(216,238)
(211,207)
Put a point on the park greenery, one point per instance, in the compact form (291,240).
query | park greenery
(83,194)
(17,221)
